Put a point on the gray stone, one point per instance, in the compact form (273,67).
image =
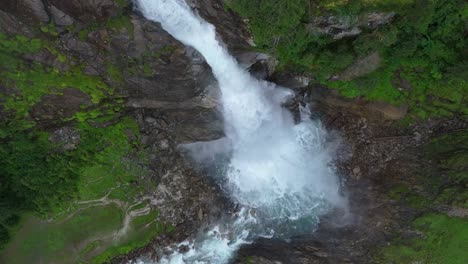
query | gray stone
(81,47)
(30,11)
(87,10)
(375,20)
(361,67)
(68,138)
(60,18)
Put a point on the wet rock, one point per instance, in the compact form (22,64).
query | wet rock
(206,125)
(261,65)
(291,80)
(231,28)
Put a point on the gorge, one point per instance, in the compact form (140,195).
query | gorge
(233,131)
(279,169)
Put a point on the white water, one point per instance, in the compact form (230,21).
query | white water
(279,168)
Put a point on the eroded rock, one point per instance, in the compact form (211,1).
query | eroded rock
(339,27)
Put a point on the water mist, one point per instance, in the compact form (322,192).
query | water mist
(279,169)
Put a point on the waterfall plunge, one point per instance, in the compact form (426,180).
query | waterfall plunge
(279,168)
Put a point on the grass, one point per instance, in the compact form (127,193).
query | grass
(145,228)
(60,242)
(443,240)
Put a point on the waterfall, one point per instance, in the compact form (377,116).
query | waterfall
(278,171)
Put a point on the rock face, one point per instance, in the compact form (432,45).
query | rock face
(230,27)
(375,110)
(29,11)
(348,26)
(85,10)
(168,88)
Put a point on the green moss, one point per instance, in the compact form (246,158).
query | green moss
(56,241)
(404,194)
(443,240)
(115,73)
(425,44)
(145,229)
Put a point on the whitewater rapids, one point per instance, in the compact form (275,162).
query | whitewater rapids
(278,171)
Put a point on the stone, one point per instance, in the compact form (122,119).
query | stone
(60,17)
(356,170)
(337,27)
(150,120)
(375,20)
(30,11)
(53,108)
(87,10)
(81,47)
(164,144)
(68,138)
(361,67)
(373,110)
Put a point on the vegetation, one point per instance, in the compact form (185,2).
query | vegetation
(425,45)
(86,191)
(442,240)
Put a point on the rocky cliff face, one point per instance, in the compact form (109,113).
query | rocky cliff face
(99,59)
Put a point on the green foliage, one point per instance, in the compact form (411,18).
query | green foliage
(444,240)
(426,45)
(405,194)
(33,81)
(34,175)
(146,229)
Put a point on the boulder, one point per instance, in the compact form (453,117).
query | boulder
(339,27)
(60,17)
(360,67)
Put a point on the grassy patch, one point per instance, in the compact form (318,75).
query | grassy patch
(49,242)
(443,240)
(144,229)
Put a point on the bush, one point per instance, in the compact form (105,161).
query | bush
(426,45)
